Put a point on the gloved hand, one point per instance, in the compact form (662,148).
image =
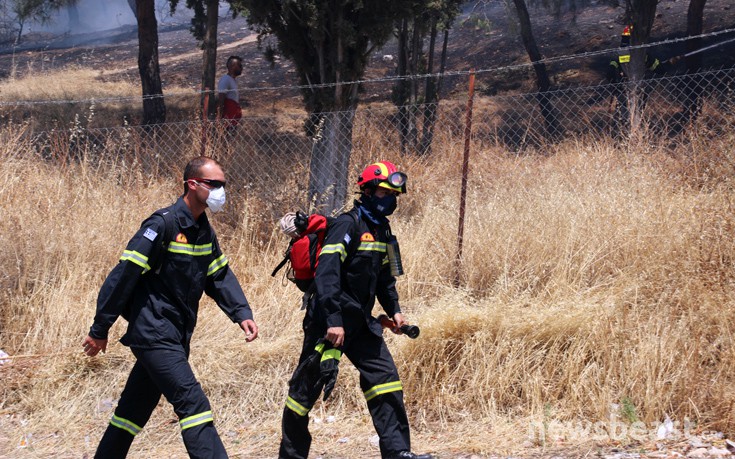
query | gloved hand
(329,368)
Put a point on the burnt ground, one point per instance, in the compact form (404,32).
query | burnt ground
(482,38)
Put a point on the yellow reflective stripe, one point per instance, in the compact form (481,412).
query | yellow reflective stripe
(335,248)
(217,264)
(624,58)
(654,65)
(373,246)
(128,426)
(386,260)
(319,348)
(296,407)
(196,420)
(381,389)
(137,258)
(190,249)
(614,64)
(331,354)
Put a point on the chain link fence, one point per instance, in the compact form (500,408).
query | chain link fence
(321,154)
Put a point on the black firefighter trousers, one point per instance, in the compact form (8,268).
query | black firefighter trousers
(167,372)
(378,380)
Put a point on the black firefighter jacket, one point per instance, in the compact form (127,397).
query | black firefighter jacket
(161,308)
(353,270)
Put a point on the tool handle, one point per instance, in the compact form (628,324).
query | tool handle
(412,331)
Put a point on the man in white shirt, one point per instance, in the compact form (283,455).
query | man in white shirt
(228,99)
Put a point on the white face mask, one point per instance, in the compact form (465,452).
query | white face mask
(216,199)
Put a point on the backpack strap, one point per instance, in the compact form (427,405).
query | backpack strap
(161,250)
(286,257)
(354,240)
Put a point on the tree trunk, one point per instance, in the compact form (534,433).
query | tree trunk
(332,148)
(402,88)
(154,108)
(210,58)
(643,13)
(21,23)
(416,48)
(443,64)
(542,77)
(330,160)
(430,96)
(693,88)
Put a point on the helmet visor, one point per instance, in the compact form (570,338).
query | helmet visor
(395,181)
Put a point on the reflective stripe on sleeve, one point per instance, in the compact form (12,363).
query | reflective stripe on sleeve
(334,248)
(217,264)
(624,58)
(128,426)
(137,258)
(196,420)
(296,407)
(381,389)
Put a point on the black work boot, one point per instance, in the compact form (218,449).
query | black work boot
(410,455)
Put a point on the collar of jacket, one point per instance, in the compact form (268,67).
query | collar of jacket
(184,216)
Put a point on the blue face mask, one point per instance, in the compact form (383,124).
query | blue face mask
(383,206)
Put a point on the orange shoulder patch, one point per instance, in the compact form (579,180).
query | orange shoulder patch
(367,237)
(181,238)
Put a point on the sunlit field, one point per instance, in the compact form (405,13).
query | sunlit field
(595,291)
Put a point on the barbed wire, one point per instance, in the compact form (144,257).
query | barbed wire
(394,78)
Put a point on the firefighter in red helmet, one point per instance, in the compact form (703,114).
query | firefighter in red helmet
(619,73)
(358,264)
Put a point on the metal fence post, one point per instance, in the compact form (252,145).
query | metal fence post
(465,168)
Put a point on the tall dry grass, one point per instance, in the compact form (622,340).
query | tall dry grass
(596,284)
(72,97)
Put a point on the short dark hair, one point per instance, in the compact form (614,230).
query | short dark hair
(231,59)
(194,168)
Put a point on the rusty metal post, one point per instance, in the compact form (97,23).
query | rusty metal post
(465,170)
(205,120)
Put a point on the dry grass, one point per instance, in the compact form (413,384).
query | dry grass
(68,86)
(597,285)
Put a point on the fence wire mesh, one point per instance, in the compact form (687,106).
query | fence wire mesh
(322,153)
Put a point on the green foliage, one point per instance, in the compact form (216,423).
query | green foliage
(23,11)
(37,10)
(478,23)
(328,41)
(199,21)
(628,410)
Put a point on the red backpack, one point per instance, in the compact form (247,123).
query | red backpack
(303,251)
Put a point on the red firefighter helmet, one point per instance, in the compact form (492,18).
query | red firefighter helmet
(383,174)
(625,36)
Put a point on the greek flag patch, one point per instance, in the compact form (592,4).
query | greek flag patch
(347,239)
(150,234)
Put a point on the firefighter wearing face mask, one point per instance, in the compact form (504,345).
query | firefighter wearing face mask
(354,268)
(167,266)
